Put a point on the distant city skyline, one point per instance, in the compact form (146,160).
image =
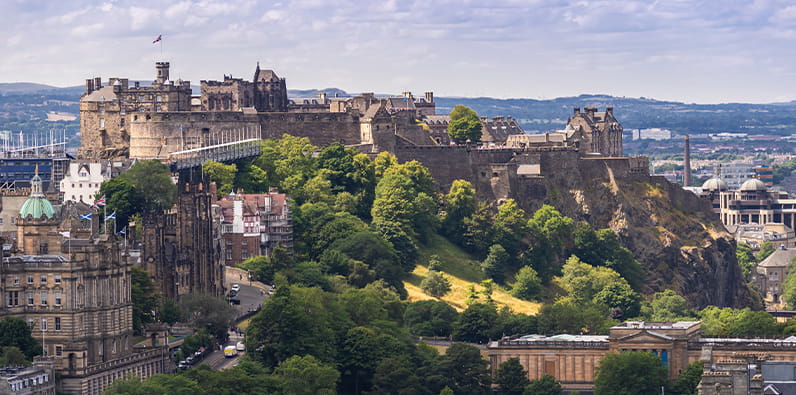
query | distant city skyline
(690,51)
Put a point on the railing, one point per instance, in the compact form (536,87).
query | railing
(221,153)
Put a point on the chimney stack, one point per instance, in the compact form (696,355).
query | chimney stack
(89,86)
(576,111)
(687,163)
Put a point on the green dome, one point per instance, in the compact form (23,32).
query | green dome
(36,207)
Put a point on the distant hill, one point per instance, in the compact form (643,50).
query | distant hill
(330,92)
(636,113)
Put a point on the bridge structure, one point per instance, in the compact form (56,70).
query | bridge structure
(224,146)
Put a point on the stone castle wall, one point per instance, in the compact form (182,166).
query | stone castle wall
(156,135)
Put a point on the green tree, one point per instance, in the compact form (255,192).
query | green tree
(510,226)
(208,312)
(145,298)
(686,383)
(527,284)
(169,312)
(223,175)
(619,295)
(460,203)
(464,125)
(766,249)
(476,324)
(306,375)
(152,180)
(12,356)
(789,285)
(746,259)
(121,197)
(14,332)
(435,284)
(557,229)
(160,384)
(574,318)
(545,385)
(466,368)
(496,263)
(511,377)
(396,375)
(250,178)
(478,233)
(430,318)
(630,373)
(378,254)
(668,305)
(400,240)
(583,281)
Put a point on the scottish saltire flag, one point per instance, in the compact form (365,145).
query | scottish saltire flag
(123,231)
(111,216)
(100,202)
(86,217)
(158,38)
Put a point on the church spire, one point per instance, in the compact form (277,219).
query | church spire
(35,185)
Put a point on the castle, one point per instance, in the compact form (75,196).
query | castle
(119,120)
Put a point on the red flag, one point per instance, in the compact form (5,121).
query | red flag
(157,39)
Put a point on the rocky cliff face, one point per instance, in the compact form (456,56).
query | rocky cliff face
(680,242)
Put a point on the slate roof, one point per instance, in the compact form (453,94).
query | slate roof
(779,258)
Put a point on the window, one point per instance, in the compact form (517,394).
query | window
(43,324)
(30,298)
(16,280)
(58,323)
(30,322)
(244,254)
(102,123)
(57,298)
(30,279)
(12,298)
(44,248)
(229,254)
(43,279)
(44,298)
(57,278)
(59,350)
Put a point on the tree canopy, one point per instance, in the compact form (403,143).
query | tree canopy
(630,373)
(464,125)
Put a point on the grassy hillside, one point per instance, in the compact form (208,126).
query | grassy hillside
(462,271)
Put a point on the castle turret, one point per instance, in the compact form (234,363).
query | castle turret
(162,72)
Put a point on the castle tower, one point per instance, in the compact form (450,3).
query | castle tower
(687,163)
(37,224)
(162,72)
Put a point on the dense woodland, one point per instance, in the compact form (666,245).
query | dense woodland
(341,314)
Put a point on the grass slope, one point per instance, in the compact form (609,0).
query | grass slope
(462,271)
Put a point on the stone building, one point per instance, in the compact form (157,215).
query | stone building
(74,292)
(771,272)
(572,359)
(253,224)
(600,133)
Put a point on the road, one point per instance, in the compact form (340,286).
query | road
(217,361)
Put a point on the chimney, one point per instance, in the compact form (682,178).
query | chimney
(609,110)
(89,86)
(576,112)
(322,97)
(407,95)
(429,96)
(97,83)
(687,163)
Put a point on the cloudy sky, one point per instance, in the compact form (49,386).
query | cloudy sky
(687,50)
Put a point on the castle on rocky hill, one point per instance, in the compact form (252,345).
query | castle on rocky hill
(120,120)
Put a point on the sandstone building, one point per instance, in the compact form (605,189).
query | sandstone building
(572,359)
(74,292)
(253,224)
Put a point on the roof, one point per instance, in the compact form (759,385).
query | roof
(753,184)
(102,94)
(778,258)
(37,205)
(715,184)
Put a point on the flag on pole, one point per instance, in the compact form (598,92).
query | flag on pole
(100,202)
(158,38)
(123,231)
(111,216)
(86,217)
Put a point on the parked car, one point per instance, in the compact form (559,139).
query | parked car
(230,351)
(240,346)
(236,287)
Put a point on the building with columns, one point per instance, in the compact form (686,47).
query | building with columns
(572,359)
(74,292)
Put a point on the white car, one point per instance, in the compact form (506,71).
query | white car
(236,287)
